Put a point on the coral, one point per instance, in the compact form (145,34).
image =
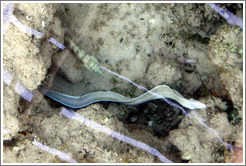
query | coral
(20,53)
(233,82)
(161,72)
(39,16)
(26,59)
(225,45)
(195,19)
(101,147)
(191,137)
(10,112)
(226,52)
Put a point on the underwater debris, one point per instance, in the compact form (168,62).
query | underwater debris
(89,61)
(56,152)
(228,16)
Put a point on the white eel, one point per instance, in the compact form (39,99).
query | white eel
(162,91)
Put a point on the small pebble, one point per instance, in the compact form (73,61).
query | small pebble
(28,18)
(152,21)
(150,123)
(133,119)
(43,23)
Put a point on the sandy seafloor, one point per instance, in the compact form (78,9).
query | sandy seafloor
(188,47)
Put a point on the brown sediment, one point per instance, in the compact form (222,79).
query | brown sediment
(238,155)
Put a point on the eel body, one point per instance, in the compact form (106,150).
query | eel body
(162,91)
